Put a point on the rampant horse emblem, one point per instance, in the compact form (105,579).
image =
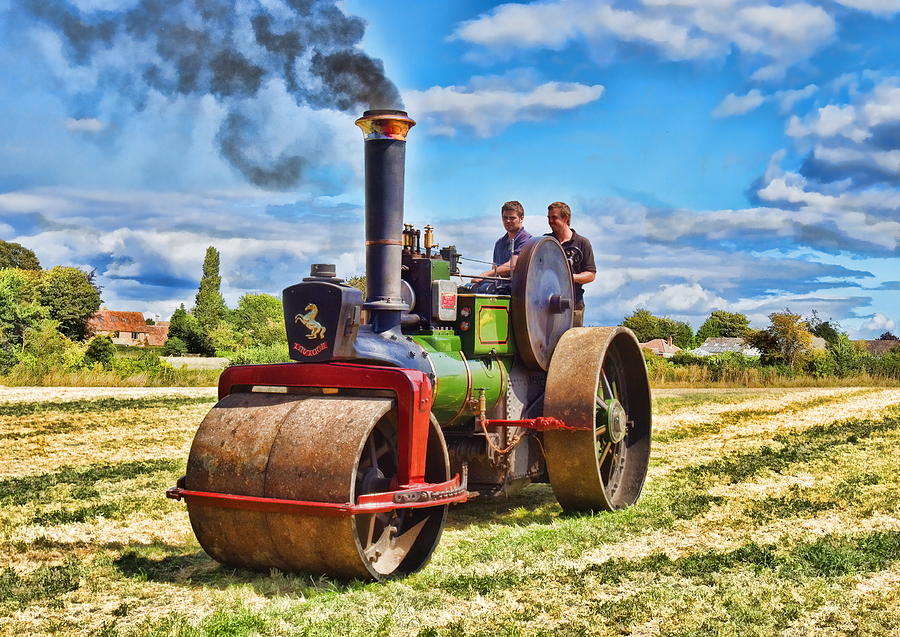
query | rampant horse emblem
(308,320)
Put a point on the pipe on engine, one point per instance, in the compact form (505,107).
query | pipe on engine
(384,132)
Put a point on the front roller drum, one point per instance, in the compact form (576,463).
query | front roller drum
(309,448)
(597,383)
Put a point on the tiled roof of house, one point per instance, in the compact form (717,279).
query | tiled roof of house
(879,346)
(661,347)
(158,334)
(113,321)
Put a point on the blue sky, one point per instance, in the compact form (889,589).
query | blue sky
(720,154)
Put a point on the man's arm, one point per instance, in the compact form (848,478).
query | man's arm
(502,270)
(584,277)
(589,268)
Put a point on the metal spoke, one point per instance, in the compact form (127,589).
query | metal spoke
(606,383)
(373,456)
(370,534)
(603,454)
(602,403)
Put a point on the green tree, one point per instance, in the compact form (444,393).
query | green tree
(46,350)
(185,327)
(643,324)
(209,306)
(848,359)
(786,339)
(223,338)
(646,327)
(174,346)
(14,255)
(258,320)
(101,350)
(71,298)
(358,281)
(829,330)
(887,336)
(19,311)
(721,324)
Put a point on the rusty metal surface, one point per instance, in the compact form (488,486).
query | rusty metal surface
(300,448)
(542,277)
(587,471)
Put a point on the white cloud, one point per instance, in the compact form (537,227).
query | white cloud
(84,125)
(488,107)
(852,121)
(536,25)
(879,323)
(881,7)
(676,29)
(882,106)
(738,104)
(681,298)
(758,309)
(788,98)
(829,121)
(853,145)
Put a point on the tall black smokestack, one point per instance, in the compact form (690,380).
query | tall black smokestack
(384,132)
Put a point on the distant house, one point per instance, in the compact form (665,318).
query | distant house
(128,328)
(158,334)
(721,345)
(661,347)
(879,346)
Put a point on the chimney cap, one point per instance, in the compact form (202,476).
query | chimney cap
(385,124)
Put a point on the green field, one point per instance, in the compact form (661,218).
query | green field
(766,512)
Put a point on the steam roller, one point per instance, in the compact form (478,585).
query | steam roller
(421,394)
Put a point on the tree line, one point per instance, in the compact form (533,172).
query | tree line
(44,325)
(785,346)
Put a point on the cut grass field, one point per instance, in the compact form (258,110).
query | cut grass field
(765,512)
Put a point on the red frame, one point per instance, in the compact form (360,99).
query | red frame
(414,396)
(412,388)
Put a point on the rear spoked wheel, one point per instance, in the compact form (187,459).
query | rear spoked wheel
(597,382)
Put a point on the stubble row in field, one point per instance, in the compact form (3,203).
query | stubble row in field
(765,512)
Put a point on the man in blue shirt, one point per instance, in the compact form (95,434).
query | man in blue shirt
(507,248)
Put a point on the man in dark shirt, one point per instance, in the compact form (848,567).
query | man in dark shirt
(507,247)
(578,251)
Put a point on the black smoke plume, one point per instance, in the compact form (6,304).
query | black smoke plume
(229,50)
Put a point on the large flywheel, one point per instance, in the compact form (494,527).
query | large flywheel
(310,448)
(542,300)
(597,382)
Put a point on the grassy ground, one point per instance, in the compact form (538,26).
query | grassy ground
(766,512)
